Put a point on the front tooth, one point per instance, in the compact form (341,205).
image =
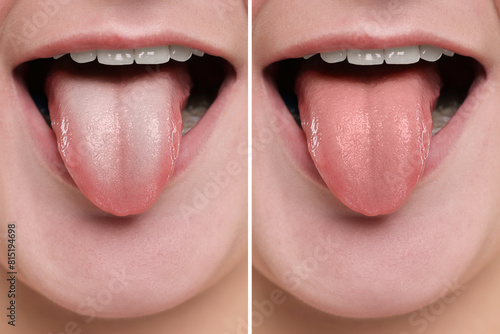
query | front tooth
(365,57)
(308,56)
(448,53)
(84,57)
(430,53)
(198,53)
(402,55)
(334,57)
(180,53)
(115,57)
(59,56)
(152,55)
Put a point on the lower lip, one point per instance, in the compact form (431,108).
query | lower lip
(294,139)
(44,140)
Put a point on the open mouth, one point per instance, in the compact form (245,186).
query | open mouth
(372,132)
(111,122)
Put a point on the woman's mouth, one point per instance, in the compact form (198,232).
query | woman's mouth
(374,132)
(98,166)
(115,132)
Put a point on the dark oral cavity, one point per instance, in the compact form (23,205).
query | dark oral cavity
(368,130)
(118,130)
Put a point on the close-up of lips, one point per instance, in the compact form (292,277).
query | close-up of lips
(262,166)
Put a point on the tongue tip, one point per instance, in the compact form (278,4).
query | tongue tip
(124,209)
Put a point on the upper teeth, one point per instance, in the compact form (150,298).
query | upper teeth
(400,55)
(149,55)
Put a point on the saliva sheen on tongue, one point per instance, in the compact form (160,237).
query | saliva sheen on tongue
(369,143)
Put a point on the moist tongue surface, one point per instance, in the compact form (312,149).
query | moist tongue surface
(368,130)
(118,130)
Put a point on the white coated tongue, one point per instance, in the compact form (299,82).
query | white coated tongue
(118,130)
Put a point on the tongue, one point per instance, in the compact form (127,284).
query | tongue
(118,130)
(368,130)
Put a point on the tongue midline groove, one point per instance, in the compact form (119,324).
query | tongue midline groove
(207,75)
(457,73)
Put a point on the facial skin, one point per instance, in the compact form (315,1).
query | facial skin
(445,236)
(68,249)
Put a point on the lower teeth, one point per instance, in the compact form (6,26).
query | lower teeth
(446,107)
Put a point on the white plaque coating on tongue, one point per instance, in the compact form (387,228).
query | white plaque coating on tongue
(118,131)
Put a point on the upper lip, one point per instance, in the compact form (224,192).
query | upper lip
(51,40)
(357,38)
(334,25)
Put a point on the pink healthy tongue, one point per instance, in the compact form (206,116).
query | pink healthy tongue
(368,130)
(118,130)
